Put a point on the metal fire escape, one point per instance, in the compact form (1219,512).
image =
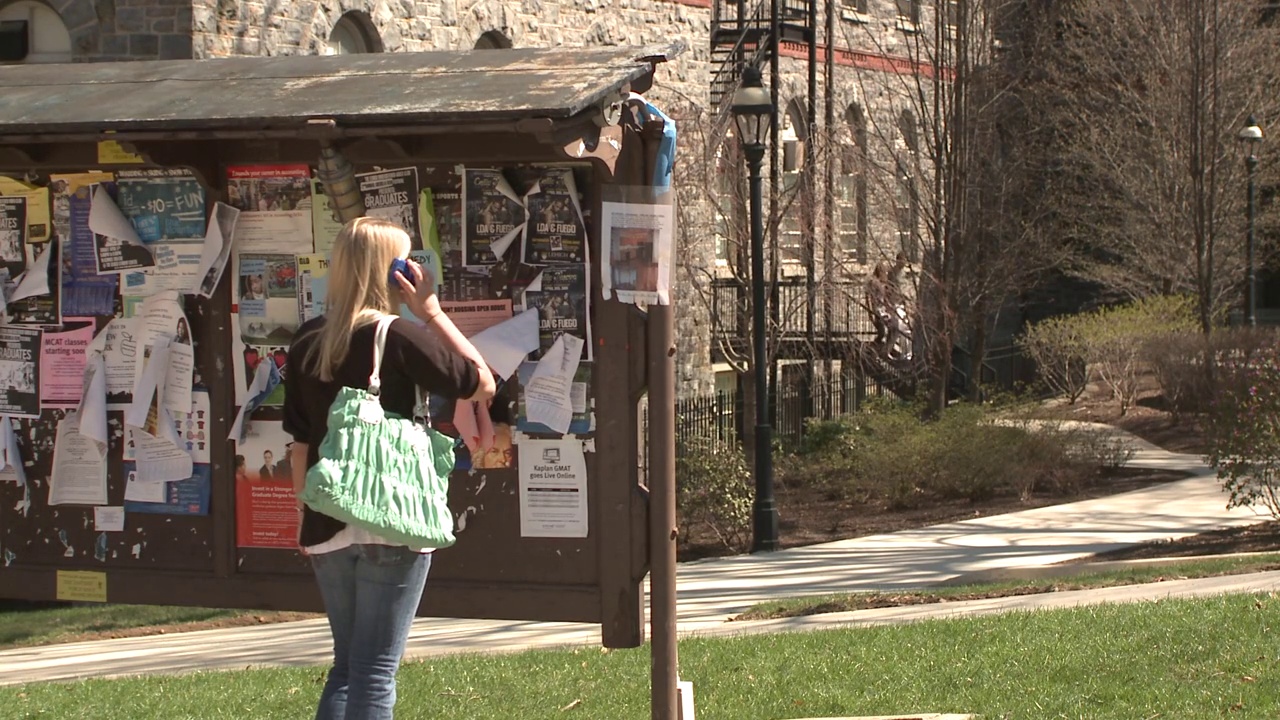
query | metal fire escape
(745,33)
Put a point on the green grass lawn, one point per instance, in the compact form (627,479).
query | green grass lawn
(1082,580)
(1185,659)
(46,626)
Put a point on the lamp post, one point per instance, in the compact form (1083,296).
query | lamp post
(753,114)
(1251,138)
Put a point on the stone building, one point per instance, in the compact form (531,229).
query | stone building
(859,209)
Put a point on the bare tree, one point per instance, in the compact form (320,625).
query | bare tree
(1143,100)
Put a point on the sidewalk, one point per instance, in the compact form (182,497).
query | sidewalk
(712,591)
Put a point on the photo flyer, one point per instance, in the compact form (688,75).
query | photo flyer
(84,291)
(393,195)
(267,298)
(559,294)
(493,216)
(555,232)
(20,370)
(275,204)
(162,203)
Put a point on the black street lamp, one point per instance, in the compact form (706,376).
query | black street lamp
(753,113)
(1251,138)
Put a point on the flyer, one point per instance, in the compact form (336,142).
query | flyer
(20,370)
(120,352)
(266,507)
(393,195)
(162,203)
(62,362)
(553,488)
(275,205)
(192,430)
(313,283)
(177,268)
(161,315)
(474,316)
(116,245)
(79,474)
(324,226)
(555,232)
(637,252)
(181,497)
(559,294)
(13,232)
(267,298)
(84,291)
(493,216)
(579,424)
(39,222)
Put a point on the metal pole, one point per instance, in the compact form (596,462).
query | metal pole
(764,512)
(1251,281)
(664,658)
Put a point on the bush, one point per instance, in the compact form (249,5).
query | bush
(1112,342)
(887,453)
(714,490)
(1244,434)
(1188,365)
(1060,354)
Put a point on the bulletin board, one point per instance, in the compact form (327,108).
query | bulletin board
(145,460)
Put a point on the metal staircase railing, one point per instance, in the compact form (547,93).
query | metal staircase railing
(752,45)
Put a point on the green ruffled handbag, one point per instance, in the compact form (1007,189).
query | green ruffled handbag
(381,472)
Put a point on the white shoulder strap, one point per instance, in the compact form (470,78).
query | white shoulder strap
(379,349)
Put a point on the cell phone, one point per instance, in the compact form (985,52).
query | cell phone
(402,266)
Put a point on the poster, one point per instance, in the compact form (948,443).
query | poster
(493,216)
(116,245)
(39,289)
(393,195)
(637,250)
(553,488)
(267,297)
(252,356)
(62,361)
(161,315)
(180,497)
(39,220)
(324,226)
(13,232)
(473,316)
(84,291)
(275,205)
(79,474)
(555,232)
(20,370)
(580,423)
(559,294)
(120,352)
(162,203)
(177,268)
(266,507)
(313,284)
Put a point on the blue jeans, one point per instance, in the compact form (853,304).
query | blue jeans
(371,593)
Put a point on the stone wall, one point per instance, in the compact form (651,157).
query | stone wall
(108,30)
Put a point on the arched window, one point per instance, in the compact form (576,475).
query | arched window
(354,34)
(854,223)
(31,32)
(493,40)
(730,200)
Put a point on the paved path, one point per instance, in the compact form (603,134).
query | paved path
(711,591)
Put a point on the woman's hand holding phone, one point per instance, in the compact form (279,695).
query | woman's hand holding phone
(420,292)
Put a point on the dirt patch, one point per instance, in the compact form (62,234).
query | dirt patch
(1262,537)
(249,618)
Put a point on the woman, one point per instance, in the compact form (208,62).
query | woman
(371,588)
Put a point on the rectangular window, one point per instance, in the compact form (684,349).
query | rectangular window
(953,13)
(853,217)
(858,6)
(909,10)
(907,210)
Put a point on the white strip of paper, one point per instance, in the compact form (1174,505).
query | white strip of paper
(92,410)
(547,398)
(79,474)
(11,469)
(217,248)
(35,281)
(106,219)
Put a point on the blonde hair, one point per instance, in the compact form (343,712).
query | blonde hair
(359,292)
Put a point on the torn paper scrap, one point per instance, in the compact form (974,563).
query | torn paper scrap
(79,474)
(217,248)
(11,469)
(35,281)
(505,345)
(548,396)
